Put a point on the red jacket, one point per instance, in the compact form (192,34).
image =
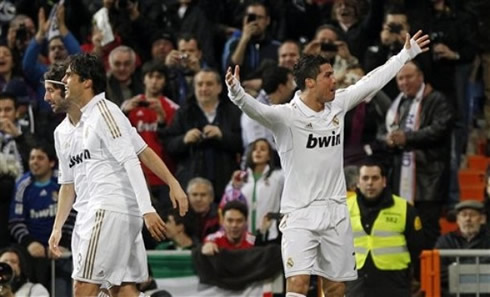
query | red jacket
(247,241)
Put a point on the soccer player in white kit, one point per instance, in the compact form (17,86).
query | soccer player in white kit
(116,188)
(317,235)
(73,176)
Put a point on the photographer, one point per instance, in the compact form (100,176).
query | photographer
(183,63)
(20,285)
(329,43)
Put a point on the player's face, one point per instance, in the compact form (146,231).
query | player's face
(371,182)
(288,55)
(261,153)
(40,165)
(200,198)
(470,221)
(409,80)
(325,84)
(73,85)
(13,260)
(234,223)
(154,83)
(55,99)
(206,87)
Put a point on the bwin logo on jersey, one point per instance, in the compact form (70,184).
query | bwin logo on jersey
(78,158)
(323,141)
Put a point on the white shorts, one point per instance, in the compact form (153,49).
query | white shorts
(108,248)
(317,240)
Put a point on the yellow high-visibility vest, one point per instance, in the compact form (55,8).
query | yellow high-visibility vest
(386,243)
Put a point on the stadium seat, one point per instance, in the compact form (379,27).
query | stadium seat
(478,162)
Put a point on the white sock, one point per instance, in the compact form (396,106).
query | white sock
(142,295)
(291,294)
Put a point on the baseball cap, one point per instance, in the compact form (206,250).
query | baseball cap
(163,35)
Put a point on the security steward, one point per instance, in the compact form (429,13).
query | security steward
(388,237)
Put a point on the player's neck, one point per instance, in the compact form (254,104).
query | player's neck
(311,101)
(85,99)
(74,115)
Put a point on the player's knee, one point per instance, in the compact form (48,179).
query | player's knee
(333,289)
(298,284)
(85,289)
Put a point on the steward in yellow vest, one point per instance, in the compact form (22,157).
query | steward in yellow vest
(388,237)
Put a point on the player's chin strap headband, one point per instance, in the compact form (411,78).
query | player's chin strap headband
(55,82)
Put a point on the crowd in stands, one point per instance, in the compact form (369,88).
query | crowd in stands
(165,62)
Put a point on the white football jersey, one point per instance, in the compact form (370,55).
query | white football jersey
(310,144)
(69,149)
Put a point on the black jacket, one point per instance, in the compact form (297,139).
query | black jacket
(375,282)
(432,144)
(210,158)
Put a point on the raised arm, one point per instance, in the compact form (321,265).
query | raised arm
(375,80)
(264,114)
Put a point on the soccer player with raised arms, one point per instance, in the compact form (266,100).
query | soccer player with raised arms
(317,235)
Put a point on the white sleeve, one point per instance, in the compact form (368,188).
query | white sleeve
(65,174)
(138,182)
(375,80)
(139,143)
(114,129)
(264,114)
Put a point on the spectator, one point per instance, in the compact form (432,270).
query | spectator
(184,63)
(9,171)
(471,234)
(59,47)
(21,286)
(289,52)
(357,28)
(261,185)
(202,218)
(234,234)
(388,237)
(329,43)
(148,113)
(252,46)
(277,88)
(14,141)
(205,135)
(363,123)
(33,211)
(162,44)
(178,238)
(21,29)
(418,123)
(123,83)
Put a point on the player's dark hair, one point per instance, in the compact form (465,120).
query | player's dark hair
(56,72)
(308,66)
(236,205)
(274,76)
(89,66)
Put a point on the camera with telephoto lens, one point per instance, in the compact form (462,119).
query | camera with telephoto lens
(328,47)
(395,28)
(6,277)
(22,34)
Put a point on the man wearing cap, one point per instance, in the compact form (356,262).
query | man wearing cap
(471,234)
(388,237)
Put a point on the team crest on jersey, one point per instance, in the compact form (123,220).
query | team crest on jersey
(67,144)
(335,121)
(54,196)
(290,262)
(309,126)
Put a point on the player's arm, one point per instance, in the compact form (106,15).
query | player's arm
(114,129)
(157,166)
(264,114)
(66,197)
(375,80)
